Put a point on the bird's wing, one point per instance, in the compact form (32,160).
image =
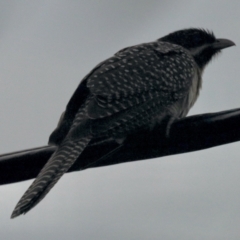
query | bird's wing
(138,74)
(132,76)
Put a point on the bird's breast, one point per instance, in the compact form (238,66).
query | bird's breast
(181,107)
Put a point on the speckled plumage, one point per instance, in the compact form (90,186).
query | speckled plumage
(134,89)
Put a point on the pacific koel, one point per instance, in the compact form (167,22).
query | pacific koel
(135,89)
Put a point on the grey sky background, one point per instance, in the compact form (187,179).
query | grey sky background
(46,48)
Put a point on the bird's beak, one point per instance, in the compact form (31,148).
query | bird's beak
(221,43)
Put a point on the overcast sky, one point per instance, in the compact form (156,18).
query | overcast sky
(46,48)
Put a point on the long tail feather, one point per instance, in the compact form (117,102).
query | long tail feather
(58,164)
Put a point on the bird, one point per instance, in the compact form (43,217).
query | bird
(137,88)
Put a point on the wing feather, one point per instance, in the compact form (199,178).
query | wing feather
(139,74)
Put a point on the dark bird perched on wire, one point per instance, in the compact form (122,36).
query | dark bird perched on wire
(137,88)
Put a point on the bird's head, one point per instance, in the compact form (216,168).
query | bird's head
(202,44)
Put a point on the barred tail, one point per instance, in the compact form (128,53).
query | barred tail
(58,164)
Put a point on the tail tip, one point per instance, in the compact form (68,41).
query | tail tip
(17,212)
